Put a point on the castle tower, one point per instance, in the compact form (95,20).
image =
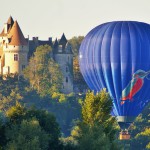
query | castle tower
(63,55)
(14,48)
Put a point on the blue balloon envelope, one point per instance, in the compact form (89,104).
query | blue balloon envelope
(116,56)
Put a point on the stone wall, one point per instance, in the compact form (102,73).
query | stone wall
(65,63)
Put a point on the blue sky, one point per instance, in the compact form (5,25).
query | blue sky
(50,18)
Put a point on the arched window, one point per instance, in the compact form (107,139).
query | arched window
(23,67)
(68,58)
(66,69)
(60,48)
(66,79)
(63,86)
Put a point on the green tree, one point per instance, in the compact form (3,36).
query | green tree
(93,138)
(43,73)
(16,113)
(76,42)
(140,130)
(12,82)
(47,121)
(144,138)
(27,136)
(12,89)
(97,128)
(7,101)
(2,129)
(78,78)
(96,109)
(148,146)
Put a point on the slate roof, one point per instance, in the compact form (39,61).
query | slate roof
(33,44)
(63,40)
(64,44)
(45,42)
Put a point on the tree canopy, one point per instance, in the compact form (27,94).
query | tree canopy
(76,42)
(97,128)
(43,72)
(28,135)
(25,127)
(140,131)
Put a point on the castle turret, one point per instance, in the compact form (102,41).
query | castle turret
(55,45)
(15,49)
(64,57)
(4,41)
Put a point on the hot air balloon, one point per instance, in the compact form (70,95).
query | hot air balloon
(116,56)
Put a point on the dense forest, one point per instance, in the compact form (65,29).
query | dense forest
(35,115)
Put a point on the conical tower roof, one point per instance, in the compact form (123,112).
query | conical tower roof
(63,40)
(55,46)
(16,35)
(56,43)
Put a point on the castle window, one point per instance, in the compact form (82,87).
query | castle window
(16,57)
(23,67)
(66,79)
(68,58)
(66,69)
(60,48)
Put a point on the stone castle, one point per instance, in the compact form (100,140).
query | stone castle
(15,51)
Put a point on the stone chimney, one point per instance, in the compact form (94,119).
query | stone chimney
(35,39)
(50,39)
(5,28)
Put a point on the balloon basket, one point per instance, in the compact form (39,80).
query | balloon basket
(124,135)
